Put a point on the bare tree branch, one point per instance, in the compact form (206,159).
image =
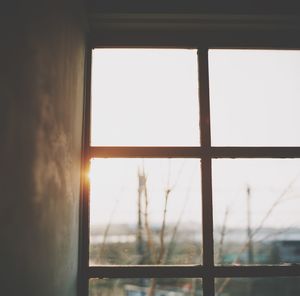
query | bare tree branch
(260,226)
(175,229)
(107,228)
(143,185)
(223,233)
(162,230)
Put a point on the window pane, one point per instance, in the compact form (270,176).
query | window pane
(142,287)
(282,286)
(144,97)
(256,211)
(255,97)
(145,211)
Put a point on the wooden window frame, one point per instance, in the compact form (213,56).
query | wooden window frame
(111,34)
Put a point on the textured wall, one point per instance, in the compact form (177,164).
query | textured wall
(41,100)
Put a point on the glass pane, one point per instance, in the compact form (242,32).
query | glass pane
(255,97)
(145,211)
(282,286)
(145,97)
(145,287)
(256,211)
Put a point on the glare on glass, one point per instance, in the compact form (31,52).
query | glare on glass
(254,96)
(145,211)
(256,211)
(279,286)
(143,287)
(144,97)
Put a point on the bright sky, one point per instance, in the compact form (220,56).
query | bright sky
(150,97)
(255,97)
(140,97)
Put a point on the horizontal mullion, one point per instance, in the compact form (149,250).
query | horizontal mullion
(193,152)
(146,271)
(146,152)
(195,271)
(254,152)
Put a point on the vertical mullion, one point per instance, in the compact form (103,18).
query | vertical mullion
(207,211)
(85,202)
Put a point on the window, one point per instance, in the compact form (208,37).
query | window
(234,178)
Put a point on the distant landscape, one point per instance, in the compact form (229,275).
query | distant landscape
(121,246)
